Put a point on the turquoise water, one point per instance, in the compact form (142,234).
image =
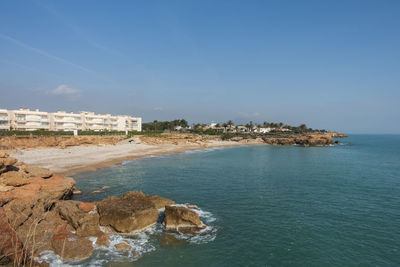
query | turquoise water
(270,205)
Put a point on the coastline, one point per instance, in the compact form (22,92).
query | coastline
(71,160)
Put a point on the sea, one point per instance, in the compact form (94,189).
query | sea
(264,205)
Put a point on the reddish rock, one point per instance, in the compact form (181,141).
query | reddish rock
(87,206)
(11,249)
(14,178)
(102,240)
(72,247)
(85,223)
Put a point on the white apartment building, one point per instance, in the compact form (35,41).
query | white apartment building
(29,120)
(4,120)
(63,121)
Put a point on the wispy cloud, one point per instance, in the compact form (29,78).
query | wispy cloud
(44,53)
(36,70)
(64,89)
(77,29)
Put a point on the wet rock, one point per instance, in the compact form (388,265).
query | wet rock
(105,187)
(72,247)
(123,247)
(96,192)
(182,219)
(102,240)
(170,240)
(134,211)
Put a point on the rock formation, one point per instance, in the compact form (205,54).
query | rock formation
(134,211)
(182,219)
(312,139)
(24,142)
(37,214)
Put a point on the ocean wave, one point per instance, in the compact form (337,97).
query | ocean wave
(205,150)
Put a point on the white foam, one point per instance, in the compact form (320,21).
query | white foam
(205,235)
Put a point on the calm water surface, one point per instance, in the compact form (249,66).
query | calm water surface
(269,205)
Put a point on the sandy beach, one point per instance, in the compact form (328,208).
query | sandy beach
(74,159)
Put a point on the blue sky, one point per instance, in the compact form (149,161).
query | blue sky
(329,64)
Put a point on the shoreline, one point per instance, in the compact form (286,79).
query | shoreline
(72,160)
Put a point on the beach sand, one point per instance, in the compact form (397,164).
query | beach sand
(70,160)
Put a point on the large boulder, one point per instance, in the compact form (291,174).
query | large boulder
(134,211)
(72,247)
(182,219)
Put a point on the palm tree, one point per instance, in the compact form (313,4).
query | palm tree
(266,124)
(280,124)
(303,127)
(155,125)
(251,125)
(225,125)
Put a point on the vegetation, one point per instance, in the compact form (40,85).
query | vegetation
(158,127)
(164,125)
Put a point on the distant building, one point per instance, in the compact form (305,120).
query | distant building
(263,130)
(30,120)
(4,120)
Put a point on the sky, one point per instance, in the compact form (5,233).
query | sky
(332,65)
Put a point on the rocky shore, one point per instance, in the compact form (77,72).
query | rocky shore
(34,142)
(38,215)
